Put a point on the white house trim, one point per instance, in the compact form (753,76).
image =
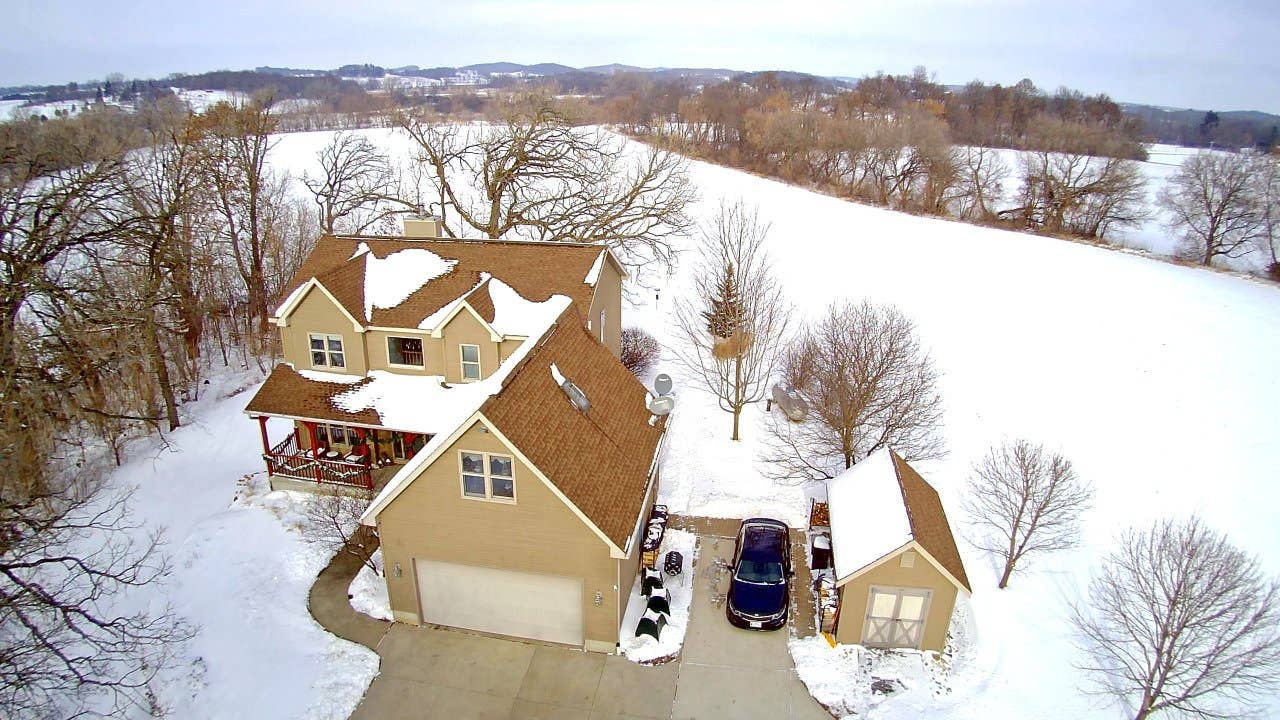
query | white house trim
(909,545)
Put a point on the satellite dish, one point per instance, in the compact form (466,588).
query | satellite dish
(662,405)
(662,384)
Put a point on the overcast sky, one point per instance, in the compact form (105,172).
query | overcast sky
(1184,53)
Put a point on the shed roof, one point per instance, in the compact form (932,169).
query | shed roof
(879,505)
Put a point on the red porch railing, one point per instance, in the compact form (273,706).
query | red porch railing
(289,459)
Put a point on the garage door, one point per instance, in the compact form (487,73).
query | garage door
(503,602)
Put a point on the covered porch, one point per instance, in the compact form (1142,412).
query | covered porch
(321,454)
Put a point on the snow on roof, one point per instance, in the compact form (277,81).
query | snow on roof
(391,280)
(868,515)
(513,315)
(329,377)
(593,275)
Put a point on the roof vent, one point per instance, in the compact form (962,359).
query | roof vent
(573,392)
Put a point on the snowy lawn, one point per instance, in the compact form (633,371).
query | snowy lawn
(644,649)
(368,591)
(241,573)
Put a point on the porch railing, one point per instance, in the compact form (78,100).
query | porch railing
(289,459)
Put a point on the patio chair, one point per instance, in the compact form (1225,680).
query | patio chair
(659,601)
(652,579)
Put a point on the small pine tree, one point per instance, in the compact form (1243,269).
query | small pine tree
(725,314)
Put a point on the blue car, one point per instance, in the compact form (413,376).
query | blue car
(758,595)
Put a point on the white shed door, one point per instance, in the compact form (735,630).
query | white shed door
(503,602)
(895,617)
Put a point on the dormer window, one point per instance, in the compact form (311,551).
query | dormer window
(470,362)
(326,351)
(405,351)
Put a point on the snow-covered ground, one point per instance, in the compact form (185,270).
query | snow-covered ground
(368,591)
(241,572)
(645,649)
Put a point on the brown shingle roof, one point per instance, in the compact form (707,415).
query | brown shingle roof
(599,459)
(286,392)
(929,523)
(535,270)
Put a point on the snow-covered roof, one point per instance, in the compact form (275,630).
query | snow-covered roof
(593,275)
(868,514)
(389,281)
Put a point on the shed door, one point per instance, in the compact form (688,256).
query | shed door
(895,617)
(503,602)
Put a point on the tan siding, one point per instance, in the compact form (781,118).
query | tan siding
(854,595)
(318,314)
(464,328)
(608,297)
(507,348)
(538,533)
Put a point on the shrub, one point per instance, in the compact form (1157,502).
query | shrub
(640,350)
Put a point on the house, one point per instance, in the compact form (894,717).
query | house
(512,457)
(897,569)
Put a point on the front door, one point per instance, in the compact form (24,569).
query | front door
(895,617)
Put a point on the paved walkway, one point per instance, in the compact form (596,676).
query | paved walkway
(331,607)
(433,672)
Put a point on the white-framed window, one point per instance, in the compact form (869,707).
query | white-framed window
(405,351)
(487,476)
(602,326)
(470,362)
(326,350)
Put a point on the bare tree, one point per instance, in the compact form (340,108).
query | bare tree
(640,350)
(867,383)
(982,173)
(358,189)
(1179,619)
(736,316)
(537,175)
(1213,200)
(333,520)
(1267,187)
(69,555)
(1025,501)
(1076,181)
(237,140)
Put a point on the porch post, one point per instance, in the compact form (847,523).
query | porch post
(266,443)
(315,451)
(373,447)
(408,445)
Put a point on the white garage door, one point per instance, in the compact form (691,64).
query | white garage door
(503,602)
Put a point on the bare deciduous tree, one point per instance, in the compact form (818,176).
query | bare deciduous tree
(358,189)
(69,555)
(736,316)
(1214,203)
(640,350)
(1267,186)
(1024,501)
(333,520)
(537,175)
(1179,619)
(867,383)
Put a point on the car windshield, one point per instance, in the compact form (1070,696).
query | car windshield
(760,572)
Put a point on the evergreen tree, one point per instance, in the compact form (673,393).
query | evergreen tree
(725,314)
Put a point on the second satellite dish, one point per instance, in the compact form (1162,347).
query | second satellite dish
(662,405)
(662,384)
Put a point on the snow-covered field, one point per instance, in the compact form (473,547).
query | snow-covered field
(1157,380)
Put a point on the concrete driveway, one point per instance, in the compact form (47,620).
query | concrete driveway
(723,672)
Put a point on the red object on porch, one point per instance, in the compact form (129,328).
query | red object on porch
(408,445)
(315,448)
